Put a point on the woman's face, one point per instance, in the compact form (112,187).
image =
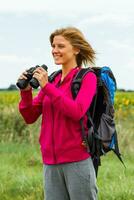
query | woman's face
(63,52)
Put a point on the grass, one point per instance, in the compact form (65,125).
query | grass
(116,182)
(21,174)
(21,169)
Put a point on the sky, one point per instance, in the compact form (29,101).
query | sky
(25,27)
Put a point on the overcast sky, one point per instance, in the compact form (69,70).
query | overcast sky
(25,26)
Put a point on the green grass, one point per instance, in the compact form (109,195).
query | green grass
(114,180)
(21,174)
(21,169)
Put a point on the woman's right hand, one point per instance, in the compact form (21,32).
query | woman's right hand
(24,77)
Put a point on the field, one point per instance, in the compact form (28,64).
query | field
(21,170)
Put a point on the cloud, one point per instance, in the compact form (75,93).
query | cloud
(60,5)
(130,66)
(121,45)
(12,58)
(1,38)
(113,18)
(27,24)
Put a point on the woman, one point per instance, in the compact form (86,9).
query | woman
(68,168)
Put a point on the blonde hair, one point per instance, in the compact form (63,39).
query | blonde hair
(77,39)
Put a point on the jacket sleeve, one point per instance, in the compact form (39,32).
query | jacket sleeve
(29,107)
(77,108)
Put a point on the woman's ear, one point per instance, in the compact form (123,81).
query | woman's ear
(76,51)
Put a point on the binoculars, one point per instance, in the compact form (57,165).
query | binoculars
(23,83)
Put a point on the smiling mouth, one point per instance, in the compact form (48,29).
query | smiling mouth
(57,56)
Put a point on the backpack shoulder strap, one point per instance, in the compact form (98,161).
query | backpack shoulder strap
(75,87)
(53,75)
(76,83)
(81,73)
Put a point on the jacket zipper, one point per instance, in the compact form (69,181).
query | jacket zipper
(53,142)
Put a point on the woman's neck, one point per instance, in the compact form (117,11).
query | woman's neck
(66,69)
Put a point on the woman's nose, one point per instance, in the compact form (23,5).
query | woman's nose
(55,49)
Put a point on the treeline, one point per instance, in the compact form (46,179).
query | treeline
(14,87)
(11,87)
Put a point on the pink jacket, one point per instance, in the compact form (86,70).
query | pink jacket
(60,137)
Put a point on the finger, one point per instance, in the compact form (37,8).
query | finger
(43,69)
(23,75)
(36,75)
(40,70)
(40,74)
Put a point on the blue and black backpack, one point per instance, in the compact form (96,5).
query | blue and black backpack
(102,135)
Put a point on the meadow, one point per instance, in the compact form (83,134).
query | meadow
(21,170)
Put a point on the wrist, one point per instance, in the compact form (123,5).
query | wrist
(27,88)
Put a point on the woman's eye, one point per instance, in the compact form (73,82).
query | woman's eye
(61,46)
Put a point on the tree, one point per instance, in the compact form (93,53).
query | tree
(12,87)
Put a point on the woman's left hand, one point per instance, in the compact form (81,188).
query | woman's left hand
(41,75)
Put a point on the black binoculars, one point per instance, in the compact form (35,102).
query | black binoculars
(23,83)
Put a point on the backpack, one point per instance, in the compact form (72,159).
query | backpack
(102,135)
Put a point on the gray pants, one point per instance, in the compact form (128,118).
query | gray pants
(71,181)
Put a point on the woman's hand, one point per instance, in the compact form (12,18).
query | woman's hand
(23,76)
(41,75)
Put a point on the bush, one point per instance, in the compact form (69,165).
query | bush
(13,127)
